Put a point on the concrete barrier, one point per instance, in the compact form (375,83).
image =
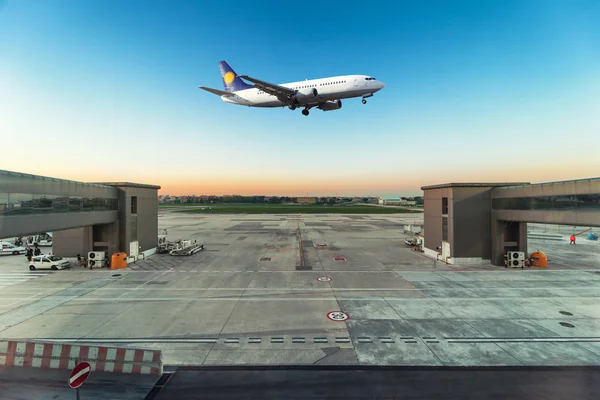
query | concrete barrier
(66,356)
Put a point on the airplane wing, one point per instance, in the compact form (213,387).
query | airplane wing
(216,91)
(281,92)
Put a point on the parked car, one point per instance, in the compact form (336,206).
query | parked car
(9,248)
(48,261)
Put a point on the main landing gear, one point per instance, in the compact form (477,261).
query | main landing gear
(305,111)
(364,101)
(292,107)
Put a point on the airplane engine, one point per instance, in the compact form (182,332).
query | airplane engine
(330,105)
(306,95)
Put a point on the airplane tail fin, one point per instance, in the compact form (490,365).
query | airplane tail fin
(231,81)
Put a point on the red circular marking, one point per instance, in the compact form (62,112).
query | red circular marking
(79,374)
(338,316)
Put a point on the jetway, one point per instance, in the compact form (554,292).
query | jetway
(478,223)
(82,216)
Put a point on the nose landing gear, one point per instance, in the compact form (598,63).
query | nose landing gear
(364,97)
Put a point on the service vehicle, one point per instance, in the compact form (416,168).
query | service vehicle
(48,261)
(9,248)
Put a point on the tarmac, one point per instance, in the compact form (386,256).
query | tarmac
(361,382)
(251,298)
(19,383)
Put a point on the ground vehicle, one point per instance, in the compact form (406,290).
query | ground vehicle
(48,261)
(9,248)
(42,239)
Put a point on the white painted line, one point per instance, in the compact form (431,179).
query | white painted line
(111,354)
(521,340)
(139,286)
(103,300)
(199,288)
(30,297)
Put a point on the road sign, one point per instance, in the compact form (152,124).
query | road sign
(337,316)
(324,279)
(79,374)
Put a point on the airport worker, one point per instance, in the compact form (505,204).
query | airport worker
(572,239)
(37,250)
(29,253)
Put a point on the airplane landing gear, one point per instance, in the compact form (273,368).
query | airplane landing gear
(305,111)
(364,101)
(292,107)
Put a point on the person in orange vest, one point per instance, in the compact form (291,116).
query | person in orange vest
(572,239)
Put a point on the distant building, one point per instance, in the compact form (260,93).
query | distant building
(396,201)
(306,200)
(390,201)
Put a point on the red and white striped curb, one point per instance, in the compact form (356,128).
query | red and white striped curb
(66,356)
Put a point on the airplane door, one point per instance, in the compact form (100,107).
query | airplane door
(355,82)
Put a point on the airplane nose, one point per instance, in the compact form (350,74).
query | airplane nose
(381,84)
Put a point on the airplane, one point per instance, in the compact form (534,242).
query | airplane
(325,94)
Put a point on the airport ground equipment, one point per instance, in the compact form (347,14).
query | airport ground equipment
(41,239)
(518,259)
(186,248)
(118,260)
(584,231)
(514,259)
(416,242)
(96,259)
(538,259)
(164,246)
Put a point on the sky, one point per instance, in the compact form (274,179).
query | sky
(103,90)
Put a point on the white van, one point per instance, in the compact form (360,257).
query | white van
(9,248)
(48,261)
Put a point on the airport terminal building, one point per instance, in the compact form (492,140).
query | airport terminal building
(111,217)
(478,223)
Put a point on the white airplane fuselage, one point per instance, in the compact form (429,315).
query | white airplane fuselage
(310,92)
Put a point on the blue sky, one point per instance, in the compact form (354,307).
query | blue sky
(469,85)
